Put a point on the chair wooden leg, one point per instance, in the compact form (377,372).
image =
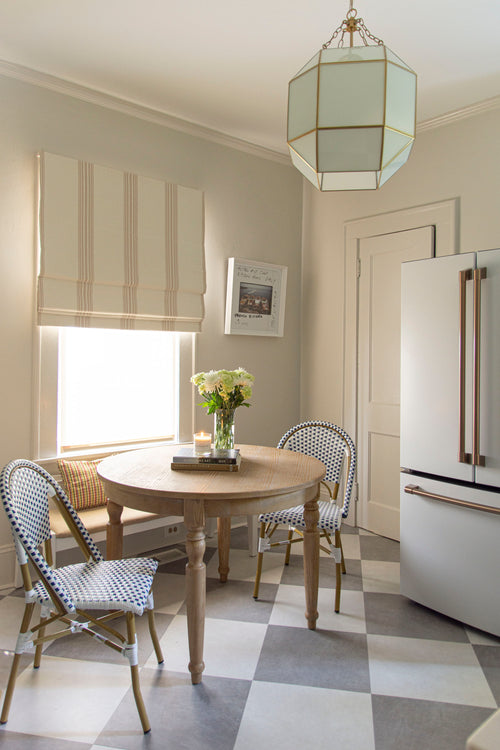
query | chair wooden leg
(260,557)
(338,571)
(38,650)
(154,636)
(28,612)
(134,670)
(288,547)
(342,553)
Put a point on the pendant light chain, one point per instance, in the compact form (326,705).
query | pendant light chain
(339,138)
(350,25)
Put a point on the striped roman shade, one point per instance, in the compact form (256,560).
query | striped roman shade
(118,250)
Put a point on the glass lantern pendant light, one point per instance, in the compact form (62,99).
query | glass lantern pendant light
(351,112)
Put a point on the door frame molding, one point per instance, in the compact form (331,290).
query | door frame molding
(444,216)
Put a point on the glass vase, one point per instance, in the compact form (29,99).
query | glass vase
(224,429)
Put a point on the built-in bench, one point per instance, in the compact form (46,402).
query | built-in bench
(96,518)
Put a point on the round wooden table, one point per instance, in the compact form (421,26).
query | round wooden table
(268,479)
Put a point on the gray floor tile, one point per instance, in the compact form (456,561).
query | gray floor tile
(392,614)
(239,537)
(18,741)
(292,659)
(317,658)
(379,548)
(403,724)
(489,659)
(183,717)
(179,566)
(293,574)
(234,600)
(80,646)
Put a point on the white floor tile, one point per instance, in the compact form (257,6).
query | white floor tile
(68,699)
(11,613)
(427,670)
(289,609)
(231,648)
(380,577)
(294,717)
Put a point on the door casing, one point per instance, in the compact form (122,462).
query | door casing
(444,217)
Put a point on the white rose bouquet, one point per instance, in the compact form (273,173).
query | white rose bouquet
(224,389)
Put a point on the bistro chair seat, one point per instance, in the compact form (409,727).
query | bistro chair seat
(84,597)
(333,446)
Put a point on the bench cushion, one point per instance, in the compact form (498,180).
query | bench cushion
(96,519)
(82,483)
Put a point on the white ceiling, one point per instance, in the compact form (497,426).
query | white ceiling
(226,64)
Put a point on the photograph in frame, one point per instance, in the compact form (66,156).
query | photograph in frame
(256,295)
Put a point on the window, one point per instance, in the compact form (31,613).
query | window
(99,388)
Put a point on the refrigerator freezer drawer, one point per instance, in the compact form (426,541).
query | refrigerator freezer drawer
(450,554)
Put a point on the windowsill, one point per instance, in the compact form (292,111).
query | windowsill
(98,451)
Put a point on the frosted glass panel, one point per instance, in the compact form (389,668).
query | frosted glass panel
(394,58)
(394,142)
(401,90)
(349,181)
(351,94)
(304,168)
(348,54)
(312,62)
(306,147)
(395,165)
(302,104)
(346,150)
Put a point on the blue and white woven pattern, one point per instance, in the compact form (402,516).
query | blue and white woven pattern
(328,443)
(330,517)
(331,445)
(109,584)
(24,489)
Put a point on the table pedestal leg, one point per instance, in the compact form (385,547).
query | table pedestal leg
(114,532)
(194,519)
(311,562)
(223,544)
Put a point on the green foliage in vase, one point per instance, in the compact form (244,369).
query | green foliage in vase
(224,389)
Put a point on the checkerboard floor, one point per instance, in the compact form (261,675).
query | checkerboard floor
(384,674)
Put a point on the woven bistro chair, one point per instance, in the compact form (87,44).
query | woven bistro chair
(69,594)
(333,446)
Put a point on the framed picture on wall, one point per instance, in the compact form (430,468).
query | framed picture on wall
(255,300)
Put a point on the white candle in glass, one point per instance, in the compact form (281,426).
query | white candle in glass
(202,442)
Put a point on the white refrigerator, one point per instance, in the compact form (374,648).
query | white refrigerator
(450,436)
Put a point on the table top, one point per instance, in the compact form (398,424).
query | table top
(138,478)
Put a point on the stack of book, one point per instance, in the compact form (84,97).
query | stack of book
(212,460)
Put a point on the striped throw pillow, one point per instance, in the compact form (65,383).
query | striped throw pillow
(83,486)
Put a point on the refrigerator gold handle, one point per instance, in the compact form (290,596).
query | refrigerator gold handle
(477,458)
(414,489)
(464,277)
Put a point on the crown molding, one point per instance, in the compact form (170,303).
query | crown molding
(487,105)
(102,99)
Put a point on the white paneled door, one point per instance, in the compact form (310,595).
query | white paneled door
(379,354)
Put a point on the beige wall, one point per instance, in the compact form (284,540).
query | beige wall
(459,160)
(253,210)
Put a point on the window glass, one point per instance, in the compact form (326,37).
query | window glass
(116,386)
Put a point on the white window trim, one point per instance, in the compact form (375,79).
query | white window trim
(45,404)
